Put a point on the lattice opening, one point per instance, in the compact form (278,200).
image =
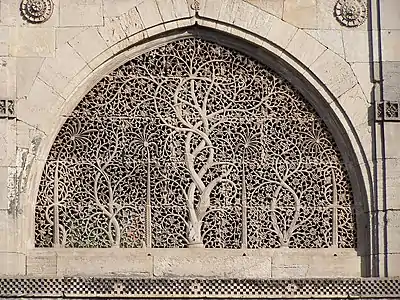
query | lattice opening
(194,145)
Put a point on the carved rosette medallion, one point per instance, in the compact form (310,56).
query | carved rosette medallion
(351,13)
(37,11)
(194,145)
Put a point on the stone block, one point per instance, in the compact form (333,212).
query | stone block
(7,78)
(99,262)
(228,14)
(211,8)
(391,138)
(114,8)
(149,13)
(390,14)
(250,267)
(41,107)
(391,77)
(83,74)
(112,31)
(89,44)
(64,34)
(129,22)
(58,71)
(392,190)
(274,7)
(41,263)
(8,12)
(305,48)
(244,14)
(182,9)
(8,236)
(355,106)
(302,14)
(32,42)
(27,70)
(281,32)
(3,186)
(7,142)
(260,23)
(356,45)
(387,229)
(166,10)
(392,181)
(364,134)
(362,72)
(390,45)
(12,264)
(330,38)
(4,40)
(81,13)
(316,263)
(393,263)
(334,72)
(26,134)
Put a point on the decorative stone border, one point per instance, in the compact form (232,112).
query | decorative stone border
(377,288)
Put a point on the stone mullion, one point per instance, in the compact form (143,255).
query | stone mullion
(56,222)
(334,212)
(148,203)
(244,207)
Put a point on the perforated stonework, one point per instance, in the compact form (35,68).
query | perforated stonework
(222,288)
(194,145)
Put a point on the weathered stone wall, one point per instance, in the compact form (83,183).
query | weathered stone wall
(46,68)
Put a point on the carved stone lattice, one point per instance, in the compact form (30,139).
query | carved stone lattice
(194,145)
(36,11)
(388,111)
(351,13)
(7,108)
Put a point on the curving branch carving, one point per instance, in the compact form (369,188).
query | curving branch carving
(194,145)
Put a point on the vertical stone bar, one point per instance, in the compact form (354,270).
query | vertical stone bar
(334,211)
(56,219)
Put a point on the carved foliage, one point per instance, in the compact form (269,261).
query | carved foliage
(194,145)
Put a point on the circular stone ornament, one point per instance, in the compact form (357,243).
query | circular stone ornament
(351,13)
(37,11)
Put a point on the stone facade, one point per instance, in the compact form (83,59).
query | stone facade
(340,55)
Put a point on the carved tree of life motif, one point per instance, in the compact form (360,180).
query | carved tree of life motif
(194,145)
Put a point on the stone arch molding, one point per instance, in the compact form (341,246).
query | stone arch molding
(63,80)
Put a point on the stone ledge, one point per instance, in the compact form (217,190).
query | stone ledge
(213,266)
(195,263)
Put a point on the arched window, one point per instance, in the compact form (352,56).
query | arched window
(193,144)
